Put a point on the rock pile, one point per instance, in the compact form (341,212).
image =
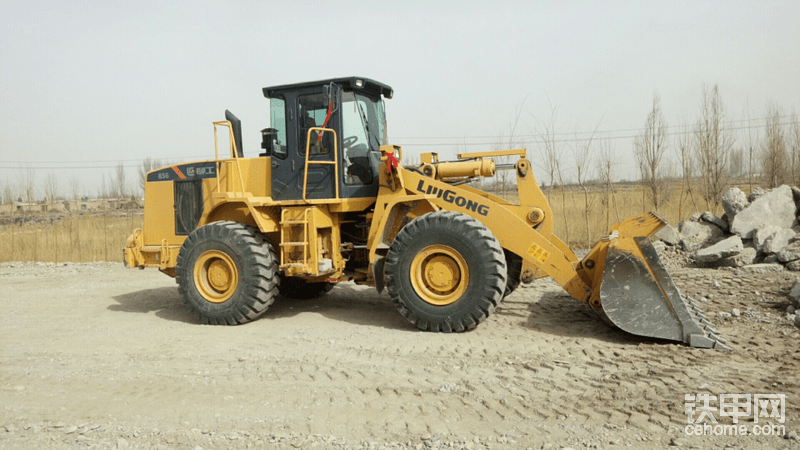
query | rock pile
(758,234)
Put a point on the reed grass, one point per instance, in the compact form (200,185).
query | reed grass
(102,236)
(76,238)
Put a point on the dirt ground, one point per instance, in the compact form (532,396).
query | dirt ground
(98,356)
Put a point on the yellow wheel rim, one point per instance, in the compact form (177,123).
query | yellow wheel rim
(439,275)
(216,276)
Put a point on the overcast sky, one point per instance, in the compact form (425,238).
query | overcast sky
(86,84)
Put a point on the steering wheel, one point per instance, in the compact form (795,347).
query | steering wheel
(349,141)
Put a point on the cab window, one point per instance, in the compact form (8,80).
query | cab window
(277,114)
(311,112)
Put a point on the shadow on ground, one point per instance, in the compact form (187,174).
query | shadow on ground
(164,301)
(346,303)
(552,311)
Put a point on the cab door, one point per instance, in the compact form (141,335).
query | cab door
(304,110)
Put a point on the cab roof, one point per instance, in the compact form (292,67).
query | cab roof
(358,84)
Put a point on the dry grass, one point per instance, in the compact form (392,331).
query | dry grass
(569,209)
(79,238)
(101,237)
(626,201)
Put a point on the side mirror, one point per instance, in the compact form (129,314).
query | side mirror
(268,137)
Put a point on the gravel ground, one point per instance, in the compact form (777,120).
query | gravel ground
(97,356)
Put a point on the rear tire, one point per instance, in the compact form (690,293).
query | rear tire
(300,289)
(514,267)
(445,271)
(227,273)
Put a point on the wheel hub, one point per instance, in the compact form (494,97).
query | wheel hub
(439,275)
(216,276)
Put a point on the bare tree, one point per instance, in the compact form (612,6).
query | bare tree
(50,187)
(794,146)
(149,164)
(118,186)
(687,170)
(505,178)
(737,164)
(8,194)
(751,146)
(551,149)
(606,161)
(75,188)
(552,158)
(649,149)
(26,178)
(713,143)
(102,192)
(581,152)
(774,159)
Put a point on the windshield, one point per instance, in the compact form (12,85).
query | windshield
(364,118)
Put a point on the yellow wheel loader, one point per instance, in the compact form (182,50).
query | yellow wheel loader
(326,201)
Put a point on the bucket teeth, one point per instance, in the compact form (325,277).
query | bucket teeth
(720,346)
(638,295)
(717,338)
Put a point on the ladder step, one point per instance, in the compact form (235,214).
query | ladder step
(293,222)
(293,244)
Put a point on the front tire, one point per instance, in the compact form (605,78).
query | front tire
(227,273)
(445,271)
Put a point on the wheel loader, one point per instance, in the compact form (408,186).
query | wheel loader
(326,201)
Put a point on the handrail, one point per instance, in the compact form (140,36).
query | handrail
(334,162)
(234,152)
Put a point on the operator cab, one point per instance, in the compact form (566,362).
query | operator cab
(353,109)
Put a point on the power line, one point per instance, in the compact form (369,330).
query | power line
(598,131)
(525,139)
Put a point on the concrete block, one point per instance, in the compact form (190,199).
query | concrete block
(734,201)
(746,257)
(790,253)
(668,234)
(722,249)
(711,218)
(761,235)
(759,269)
(757,193)
(778,241)
(794,294)
(775,208)
(697,235)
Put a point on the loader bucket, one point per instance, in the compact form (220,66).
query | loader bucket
(638,296)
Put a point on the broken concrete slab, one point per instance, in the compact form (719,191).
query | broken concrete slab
(669,235)
(796,193)
(756,193)
(746,257)
(711,218)
(794,266)
(794,295)
(734,201)
(775,208)
(761,235)
(696,235)
(790,253)
(778,241)
(759,269)
(722,249)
